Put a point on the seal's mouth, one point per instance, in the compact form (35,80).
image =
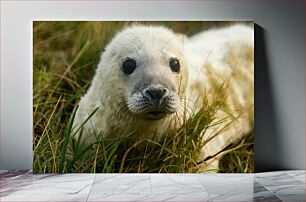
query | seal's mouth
(151,109)
(155,115)
(156,112)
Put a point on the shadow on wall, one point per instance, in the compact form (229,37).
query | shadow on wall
(267,144)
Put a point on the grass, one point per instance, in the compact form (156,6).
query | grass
(64,61)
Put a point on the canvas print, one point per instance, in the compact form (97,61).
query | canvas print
(143,97)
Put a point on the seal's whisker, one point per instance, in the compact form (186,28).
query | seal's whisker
(123,109)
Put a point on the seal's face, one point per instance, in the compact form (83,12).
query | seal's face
(151,63)
(152,90)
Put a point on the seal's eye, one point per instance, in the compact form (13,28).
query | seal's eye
(129,66)
(175,65)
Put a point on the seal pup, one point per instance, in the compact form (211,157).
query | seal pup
(146,73)
(138,84)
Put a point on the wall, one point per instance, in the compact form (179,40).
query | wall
(280,63)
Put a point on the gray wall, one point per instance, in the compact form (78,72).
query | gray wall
(280,62)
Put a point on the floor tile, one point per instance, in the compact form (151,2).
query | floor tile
(298,175)
(148,198)
(261,193)
(175,184)
(266,198)
(281,183)
(114,184)
(14,173)
(292,197)
(245,198)
(287,186)
(13,181)
(284,185)
(49,184)
(259,189)
(277,175)
(282,175)
(216,184)
(287,189)
(43,198)
(230,197)
(295,171)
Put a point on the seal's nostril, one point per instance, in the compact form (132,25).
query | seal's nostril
(155,93)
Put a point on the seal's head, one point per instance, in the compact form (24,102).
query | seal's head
(145,69)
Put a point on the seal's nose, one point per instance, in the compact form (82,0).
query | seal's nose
(155,94)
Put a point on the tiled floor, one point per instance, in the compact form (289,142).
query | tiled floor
(272,186)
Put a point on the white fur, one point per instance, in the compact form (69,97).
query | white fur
(211,48)
(152,46)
